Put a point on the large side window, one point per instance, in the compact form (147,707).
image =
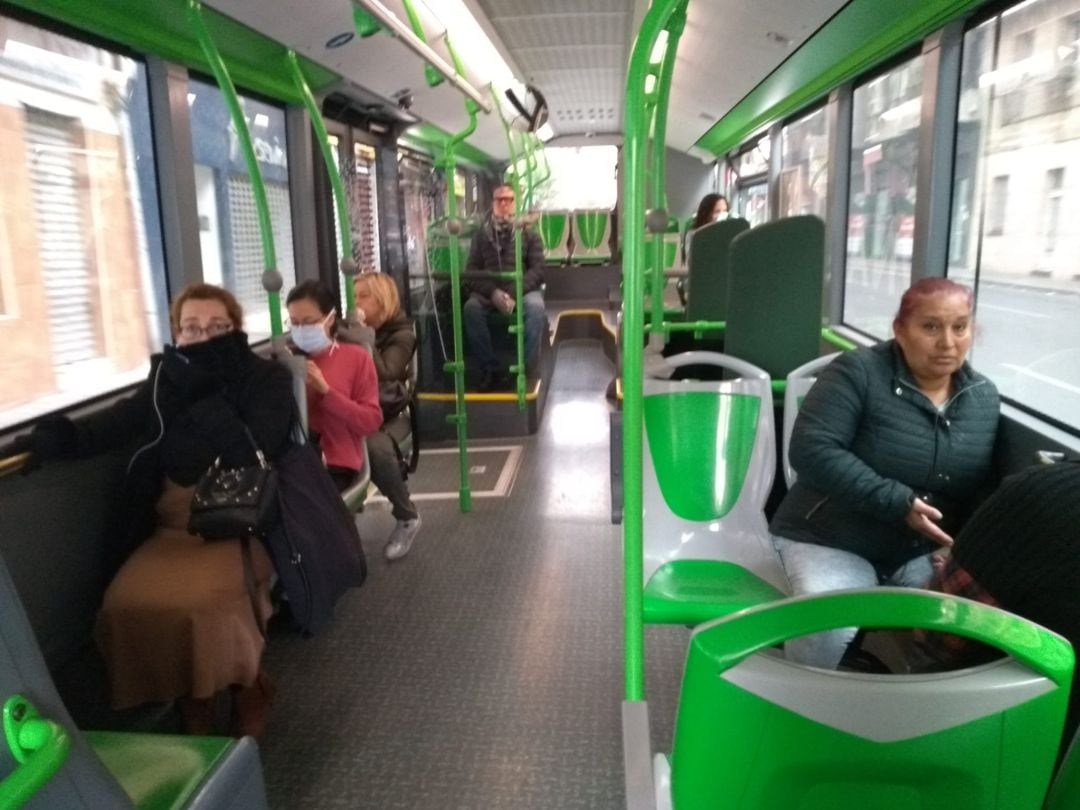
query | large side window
(82,280)
(804,162)
(881,206)
(751,170)
(1014,234)
(228,220)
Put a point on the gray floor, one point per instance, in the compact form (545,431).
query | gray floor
(484,670)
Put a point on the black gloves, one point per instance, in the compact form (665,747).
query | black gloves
(192,380)
(52,438)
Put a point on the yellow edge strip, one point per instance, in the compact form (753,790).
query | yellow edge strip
(582,313)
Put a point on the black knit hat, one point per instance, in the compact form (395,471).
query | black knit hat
(1023,546)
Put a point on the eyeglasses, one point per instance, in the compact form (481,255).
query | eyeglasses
(192,331)
(504,199)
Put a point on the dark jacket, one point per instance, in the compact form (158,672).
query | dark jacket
(196,414)
(493,249)
(391,346)
(867,442)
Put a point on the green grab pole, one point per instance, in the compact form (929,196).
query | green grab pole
(675,25)
(39,746)
(459,417)
(340,205)
(519,315)
(687,326)
(633,325)
(833,339)
(432,76)
(271,276)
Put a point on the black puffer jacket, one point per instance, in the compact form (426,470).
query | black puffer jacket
(493,249)
(867,441)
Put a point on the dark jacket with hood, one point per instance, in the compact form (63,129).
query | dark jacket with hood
(493,249)
(192,409)
(867,441)
(391,345)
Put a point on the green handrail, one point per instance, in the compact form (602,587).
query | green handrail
(271,277)
(833,339)
(675,25)
(453,226)
(431,75)
(40,746)
(347,264)
(633,326)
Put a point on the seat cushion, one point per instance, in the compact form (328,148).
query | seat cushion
(160,771)
(696,591)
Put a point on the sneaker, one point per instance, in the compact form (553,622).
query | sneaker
(401,538)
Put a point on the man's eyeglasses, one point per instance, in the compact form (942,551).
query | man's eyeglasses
(193,331)
(504,199)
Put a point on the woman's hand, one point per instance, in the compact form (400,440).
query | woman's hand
(923,519)
(315,378)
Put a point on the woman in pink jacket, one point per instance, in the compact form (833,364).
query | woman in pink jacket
(342,385)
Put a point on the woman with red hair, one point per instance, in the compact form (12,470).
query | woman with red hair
(891,446)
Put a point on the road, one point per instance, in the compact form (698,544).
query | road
(1027,339)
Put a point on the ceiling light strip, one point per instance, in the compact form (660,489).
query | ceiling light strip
(424,51)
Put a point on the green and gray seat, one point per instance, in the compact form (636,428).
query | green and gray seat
(48,763)
(709,461)
(799,383)
(757,732)
(592,237)
(555,233)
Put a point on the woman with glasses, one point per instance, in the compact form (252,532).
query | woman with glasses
(181,618)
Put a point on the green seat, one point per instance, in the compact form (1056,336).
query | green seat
(158,771)
(708,466)
(1065,792)
(555,233)
(592,237)
(775,285)
(756,732)
(110,769)
(709,267)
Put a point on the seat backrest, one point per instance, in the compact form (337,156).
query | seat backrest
(592,235)
(754,730)
(555,232)
(709,264)
(709,461)
(774,294)
(297,367)
(1065,792)
(82,782)
(799,382)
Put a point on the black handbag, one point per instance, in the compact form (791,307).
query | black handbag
(235,502)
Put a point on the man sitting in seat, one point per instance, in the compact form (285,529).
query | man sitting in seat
(493,251)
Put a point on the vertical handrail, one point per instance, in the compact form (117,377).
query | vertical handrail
(271,277)
(347,264)
(453,228)
(633,325)
(675,25)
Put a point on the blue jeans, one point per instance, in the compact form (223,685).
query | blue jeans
(477,314)
(812,568)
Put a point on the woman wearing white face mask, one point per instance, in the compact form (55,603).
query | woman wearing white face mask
(342,385)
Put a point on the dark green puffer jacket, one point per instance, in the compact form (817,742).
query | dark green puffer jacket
(867,441)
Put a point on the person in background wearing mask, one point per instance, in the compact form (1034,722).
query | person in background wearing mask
(493,250)
(342,386)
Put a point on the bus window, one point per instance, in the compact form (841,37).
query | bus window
(1014,235)
(881,206)
(82,280)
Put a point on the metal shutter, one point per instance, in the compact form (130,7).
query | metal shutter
(363,208)
(246,243)
(64,267)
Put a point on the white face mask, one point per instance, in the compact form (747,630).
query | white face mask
(311,338)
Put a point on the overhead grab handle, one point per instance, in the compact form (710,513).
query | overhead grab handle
(402,32)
